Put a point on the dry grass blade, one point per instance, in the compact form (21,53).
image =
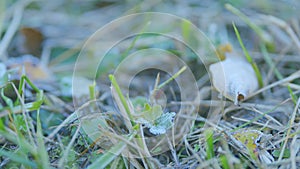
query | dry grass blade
(110,155)
(69,119)
(295,146)
(13,27)
(261,33)
(284,26)
(195,154)
(292,121)
(108,131)
(270,118)
(62,161)
(290,78)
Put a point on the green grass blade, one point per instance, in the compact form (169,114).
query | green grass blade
(41,151)
(286,153)
(118,163)
(17,158)
(186,29)
(224,162)
(19,140)
(110,155)
(7,100)
(136,38)
(92,91)
(248,57)
(121,96)
(2,127)
(260,32)
(68,150)
(39,95)
(172,78)
(209,143)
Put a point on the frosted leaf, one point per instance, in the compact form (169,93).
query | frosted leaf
(162,123)
(152,117)
(234,78)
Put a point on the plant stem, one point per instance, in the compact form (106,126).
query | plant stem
(248,57)
(121,96)
(172,78)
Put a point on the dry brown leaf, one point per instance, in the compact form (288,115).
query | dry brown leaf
(31,41)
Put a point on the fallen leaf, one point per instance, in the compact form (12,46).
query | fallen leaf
(255,142)
(31,41)
(32,66)
(234,78)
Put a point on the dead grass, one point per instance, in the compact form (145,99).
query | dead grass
(262,132)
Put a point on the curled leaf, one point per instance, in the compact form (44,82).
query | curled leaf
(234,78)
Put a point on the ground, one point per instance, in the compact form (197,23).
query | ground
(130,84)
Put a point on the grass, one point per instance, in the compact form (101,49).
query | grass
(39,128)
(248,57)
(22,128)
